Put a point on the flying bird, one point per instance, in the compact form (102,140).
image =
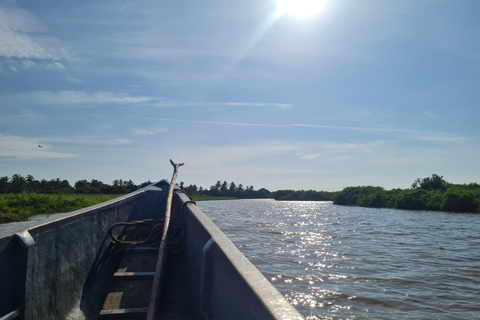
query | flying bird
(40,146)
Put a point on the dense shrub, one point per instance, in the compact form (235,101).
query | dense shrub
(458,201)
(310,195)
(377,199)
(352,195)
(426,194)
(412,199)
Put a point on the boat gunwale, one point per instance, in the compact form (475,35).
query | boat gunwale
(273,301)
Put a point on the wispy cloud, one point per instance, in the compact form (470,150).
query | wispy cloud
(27,148)
(55,98)
(310,156)
(148,132)
(223,104)
(17,45)
(21,118)
(412,133)
(21,44)
(254,104)
(217,156)
(90,140)
(440,137)
(319,126)
(378,157)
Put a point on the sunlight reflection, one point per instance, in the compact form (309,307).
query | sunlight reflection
(300,8)
(296,8)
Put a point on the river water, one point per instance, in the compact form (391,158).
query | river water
(337,262)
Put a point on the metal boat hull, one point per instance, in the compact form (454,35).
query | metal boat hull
(56,268)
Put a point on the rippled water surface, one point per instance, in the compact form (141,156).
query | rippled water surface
(336,262)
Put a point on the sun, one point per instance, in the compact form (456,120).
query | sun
(300,8)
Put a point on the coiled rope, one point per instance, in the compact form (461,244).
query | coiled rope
(146,233)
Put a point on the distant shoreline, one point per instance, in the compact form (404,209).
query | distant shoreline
(21,198)
(452,198)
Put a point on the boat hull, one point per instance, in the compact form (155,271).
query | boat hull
(58,269)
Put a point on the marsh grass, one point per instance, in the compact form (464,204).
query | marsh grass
(21,206)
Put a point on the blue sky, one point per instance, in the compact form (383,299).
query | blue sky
(361,93)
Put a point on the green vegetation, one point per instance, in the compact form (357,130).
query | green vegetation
(28,184)
(225,189)
(432,193)
(22,197)
(21,206)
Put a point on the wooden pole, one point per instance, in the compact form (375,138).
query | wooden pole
(162,254)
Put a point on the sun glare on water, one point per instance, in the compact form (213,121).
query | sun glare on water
(300,8)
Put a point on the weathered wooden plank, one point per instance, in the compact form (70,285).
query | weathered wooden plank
(123,313)
(126,294)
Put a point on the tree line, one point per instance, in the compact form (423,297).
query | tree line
(226,189)
(431,193)
(28,184)
(19,184)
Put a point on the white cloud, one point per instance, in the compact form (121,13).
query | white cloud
(218,156)
(23,44)
(62,98)
(27,148)
(254,104)
(411,134)
(148,132)
(14,44)
(54,98)
(310,157)
(91,140)
(440,137)
(272,164)
(21,118)
(167,103)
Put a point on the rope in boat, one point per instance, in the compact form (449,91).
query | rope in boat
(146,232)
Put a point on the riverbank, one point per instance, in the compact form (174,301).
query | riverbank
(16,207)
(432,194)
(22,206)
(450,200)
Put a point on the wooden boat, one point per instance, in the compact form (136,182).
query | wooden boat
(65,267)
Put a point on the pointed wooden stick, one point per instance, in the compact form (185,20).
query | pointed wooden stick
(155,296)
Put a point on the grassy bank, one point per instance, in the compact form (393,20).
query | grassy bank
(21,206)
